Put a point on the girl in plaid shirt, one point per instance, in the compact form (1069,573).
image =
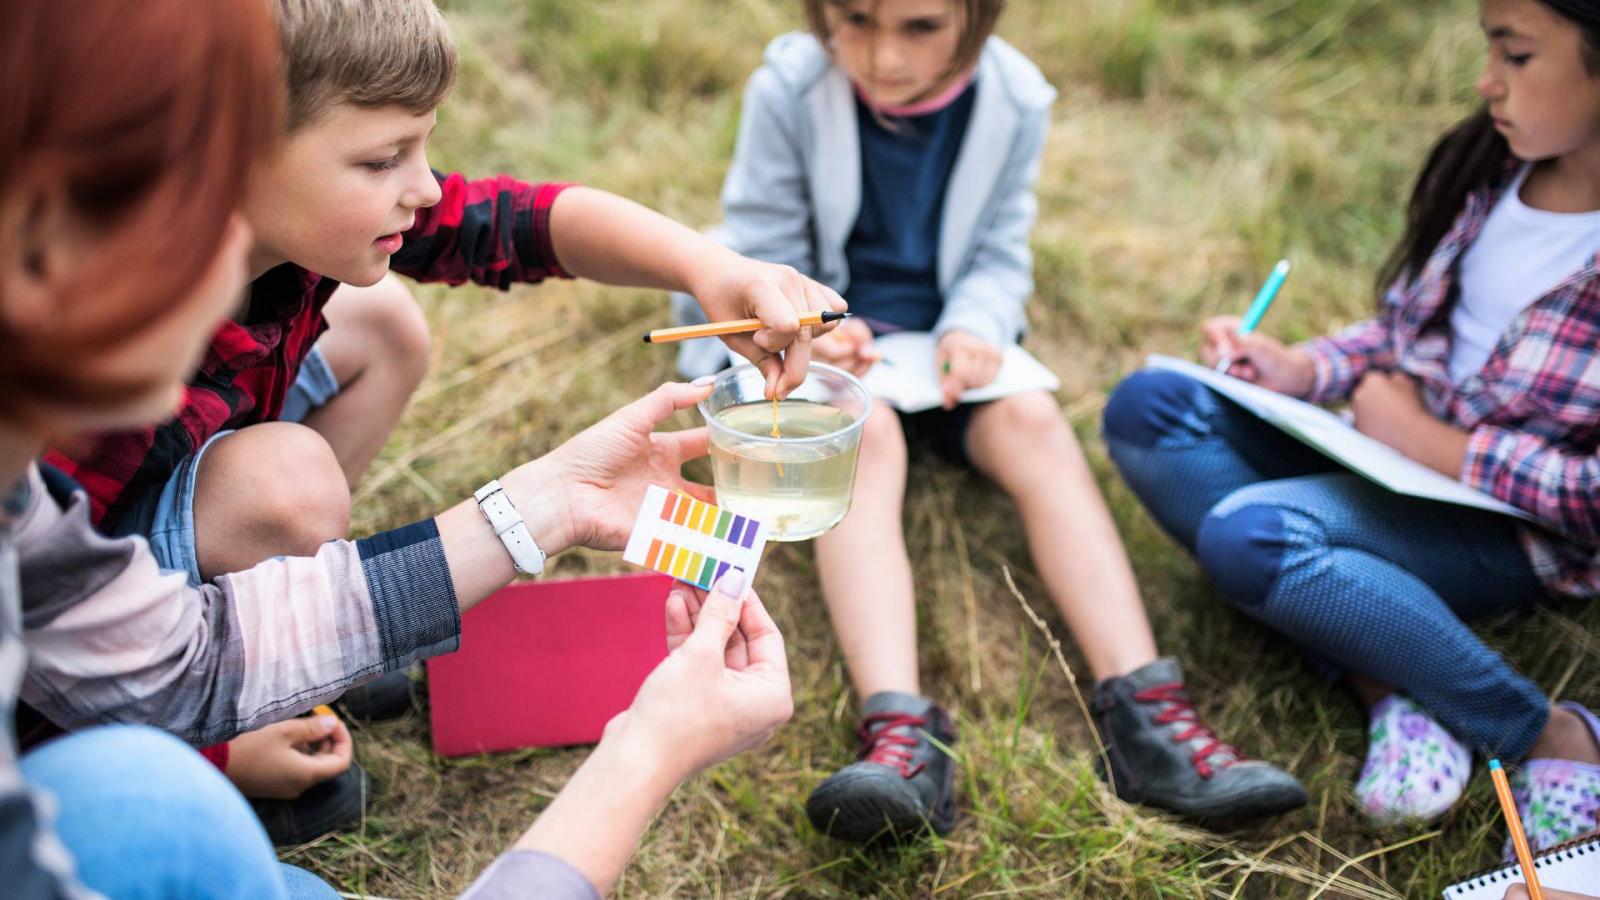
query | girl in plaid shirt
(1483,362)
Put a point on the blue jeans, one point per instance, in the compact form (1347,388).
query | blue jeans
(144,816)
(1364,579)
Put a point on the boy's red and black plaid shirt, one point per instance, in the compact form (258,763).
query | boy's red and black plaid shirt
(492,231)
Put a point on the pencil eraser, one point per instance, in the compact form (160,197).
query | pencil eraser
(1494,764)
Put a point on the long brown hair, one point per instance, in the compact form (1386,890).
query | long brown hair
(1470,156)
(148,118)
(977,17)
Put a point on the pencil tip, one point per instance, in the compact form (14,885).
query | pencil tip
(647,339)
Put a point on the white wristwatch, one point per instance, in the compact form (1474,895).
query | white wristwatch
(496,506)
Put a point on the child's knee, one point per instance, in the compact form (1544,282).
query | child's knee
(1154,404)
(882,437)
(389,319)
(1243,548)
(312,504)
(402,317)
(1033,414)
(279,482)
(399,321)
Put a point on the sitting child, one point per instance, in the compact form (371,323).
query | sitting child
(1483,363)
(892,153)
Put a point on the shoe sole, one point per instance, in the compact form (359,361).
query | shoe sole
(872,820)
(1248,805)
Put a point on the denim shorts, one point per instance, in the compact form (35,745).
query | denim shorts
(165,515)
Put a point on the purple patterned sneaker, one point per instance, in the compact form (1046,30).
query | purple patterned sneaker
(1558,799)
(1415,769)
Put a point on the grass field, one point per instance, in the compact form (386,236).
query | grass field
(1193,145)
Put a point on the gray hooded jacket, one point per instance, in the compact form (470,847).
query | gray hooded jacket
(793,192)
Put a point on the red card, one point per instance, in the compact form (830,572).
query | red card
(546,664)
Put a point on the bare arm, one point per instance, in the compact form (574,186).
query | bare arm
(728,664)
(606,238)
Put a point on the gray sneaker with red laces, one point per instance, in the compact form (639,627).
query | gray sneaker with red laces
(1161,754)
(904,781)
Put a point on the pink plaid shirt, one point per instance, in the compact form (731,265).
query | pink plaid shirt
(1533,411)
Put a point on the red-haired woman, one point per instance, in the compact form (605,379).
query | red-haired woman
(127,134)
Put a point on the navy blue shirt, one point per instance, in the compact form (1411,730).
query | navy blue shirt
(893,251)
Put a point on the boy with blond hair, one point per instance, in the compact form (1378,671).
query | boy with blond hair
(300,391)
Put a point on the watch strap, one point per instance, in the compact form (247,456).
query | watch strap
(508,525)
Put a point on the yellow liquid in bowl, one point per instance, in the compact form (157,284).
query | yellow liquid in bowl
(799,488)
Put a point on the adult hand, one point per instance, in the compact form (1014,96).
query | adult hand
(723,688)
(283,760)
(1388,406)
(848,346)
(965,361)
(599,476)
(1256,357)
(731,286)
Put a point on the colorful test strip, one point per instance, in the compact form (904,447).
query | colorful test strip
(691,540)
(682,509)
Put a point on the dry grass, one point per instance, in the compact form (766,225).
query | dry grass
(1194,144)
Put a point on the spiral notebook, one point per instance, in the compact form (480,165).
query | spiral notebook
(1573,866)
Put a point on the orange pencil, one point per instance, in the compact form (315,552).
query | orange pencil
(323,709)
(1519,841)
(735,326)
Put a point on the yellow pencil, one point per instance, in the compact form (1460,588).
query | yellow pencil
(1519,841)
(735,326)
(323,709)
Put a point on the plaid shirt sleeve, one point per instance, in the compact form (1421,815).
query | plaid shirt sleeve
(1340,360)
(1560,488)
(492,231)
(111,638)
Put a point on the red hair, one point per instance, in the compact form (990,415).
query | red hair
(147,117)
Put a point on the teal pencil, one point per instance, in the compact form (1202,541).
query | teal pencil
(1258,308)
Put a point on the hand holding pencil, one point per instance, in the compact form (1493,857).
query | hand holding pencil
(732,287)
(1255,357)
(1231,344)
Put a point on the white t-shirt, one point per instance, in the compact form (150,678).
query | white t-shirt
(1519,256)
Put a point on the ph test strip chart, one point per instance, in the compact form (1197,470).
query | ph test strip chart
(693,541)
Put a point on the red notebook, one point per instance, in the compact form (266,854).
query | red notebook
(546,664)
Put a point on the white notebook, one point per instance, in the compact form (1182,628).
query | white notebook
(1573,866)
(908,378)
(1331,435)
